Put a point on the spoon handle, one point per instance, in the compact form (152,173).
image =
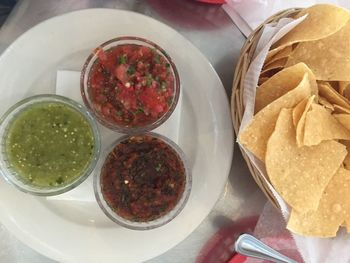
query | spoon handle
(250,246)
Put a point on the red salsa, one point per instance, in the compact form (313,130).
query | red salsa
(131,85)
(143,178)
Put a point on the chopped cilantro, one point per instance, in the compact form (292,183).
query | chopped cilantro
(131,70)
(169,101)
(163,207)
(158,167)
(60,180)
(157,58)
(139,110)
(149,80)
(122,59)
(163,86)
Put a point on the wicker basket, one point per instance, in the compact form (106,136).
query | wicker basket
(237,108)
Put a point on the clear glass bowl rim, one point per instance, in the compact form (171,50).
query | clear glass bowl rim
(149,224)
(24,103)
(128,130)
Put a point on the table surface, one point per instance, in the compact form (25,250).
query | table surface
(210,29)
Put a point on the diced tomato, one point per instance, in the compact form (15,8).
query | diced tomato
(127,97)
(140,66)
(145,52)
(101,54)
(107,109)
(120,73)
(131,85)
(159,108)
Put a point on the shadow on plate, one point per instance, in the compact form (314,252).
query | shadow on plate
(240,178)
(188,132)
(81,213)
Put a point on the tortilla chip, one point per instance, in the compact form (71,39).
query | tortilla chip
(298,111)
(326,103)
(327,57)
(274,70)
(347,225)
(320,126)
(344,119)
(283,53)
(346,161)
(262,80)
(334,84)
(344,89)
(254,137)
(300,174)
(343,85)
(333,209)
(269,73)
(347,92)
(281,83)
(330,94)
(340,109)
(299,115)
(275,65)
(322,20)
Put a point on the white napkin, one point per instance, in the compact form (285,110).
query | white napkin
(68,85)
(249,14)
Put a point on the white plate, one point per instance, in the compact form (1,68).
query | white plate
(78,231)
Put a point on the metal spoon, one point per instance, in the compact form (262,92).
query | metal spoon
(248,245)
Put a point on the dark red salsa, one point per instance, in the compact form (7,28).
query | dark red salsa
(143,178)
(131,85)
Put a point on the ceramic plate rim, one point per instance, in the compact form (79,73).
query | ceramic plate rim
(34,242)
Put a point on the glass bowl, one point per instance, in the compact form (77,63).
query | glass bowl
(9,172)
(97,110)
(153,223)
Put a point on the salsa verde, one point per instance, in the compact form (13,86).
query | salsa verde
(49,144)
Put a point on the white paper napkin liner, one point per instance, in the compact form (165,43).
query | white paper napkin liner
(251,13)
(252,76)
(68,85)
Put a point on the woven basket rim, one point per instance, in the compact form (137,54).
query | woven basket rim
(237,108)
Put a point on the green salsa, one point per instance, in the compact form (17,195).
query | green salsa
(49,144)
